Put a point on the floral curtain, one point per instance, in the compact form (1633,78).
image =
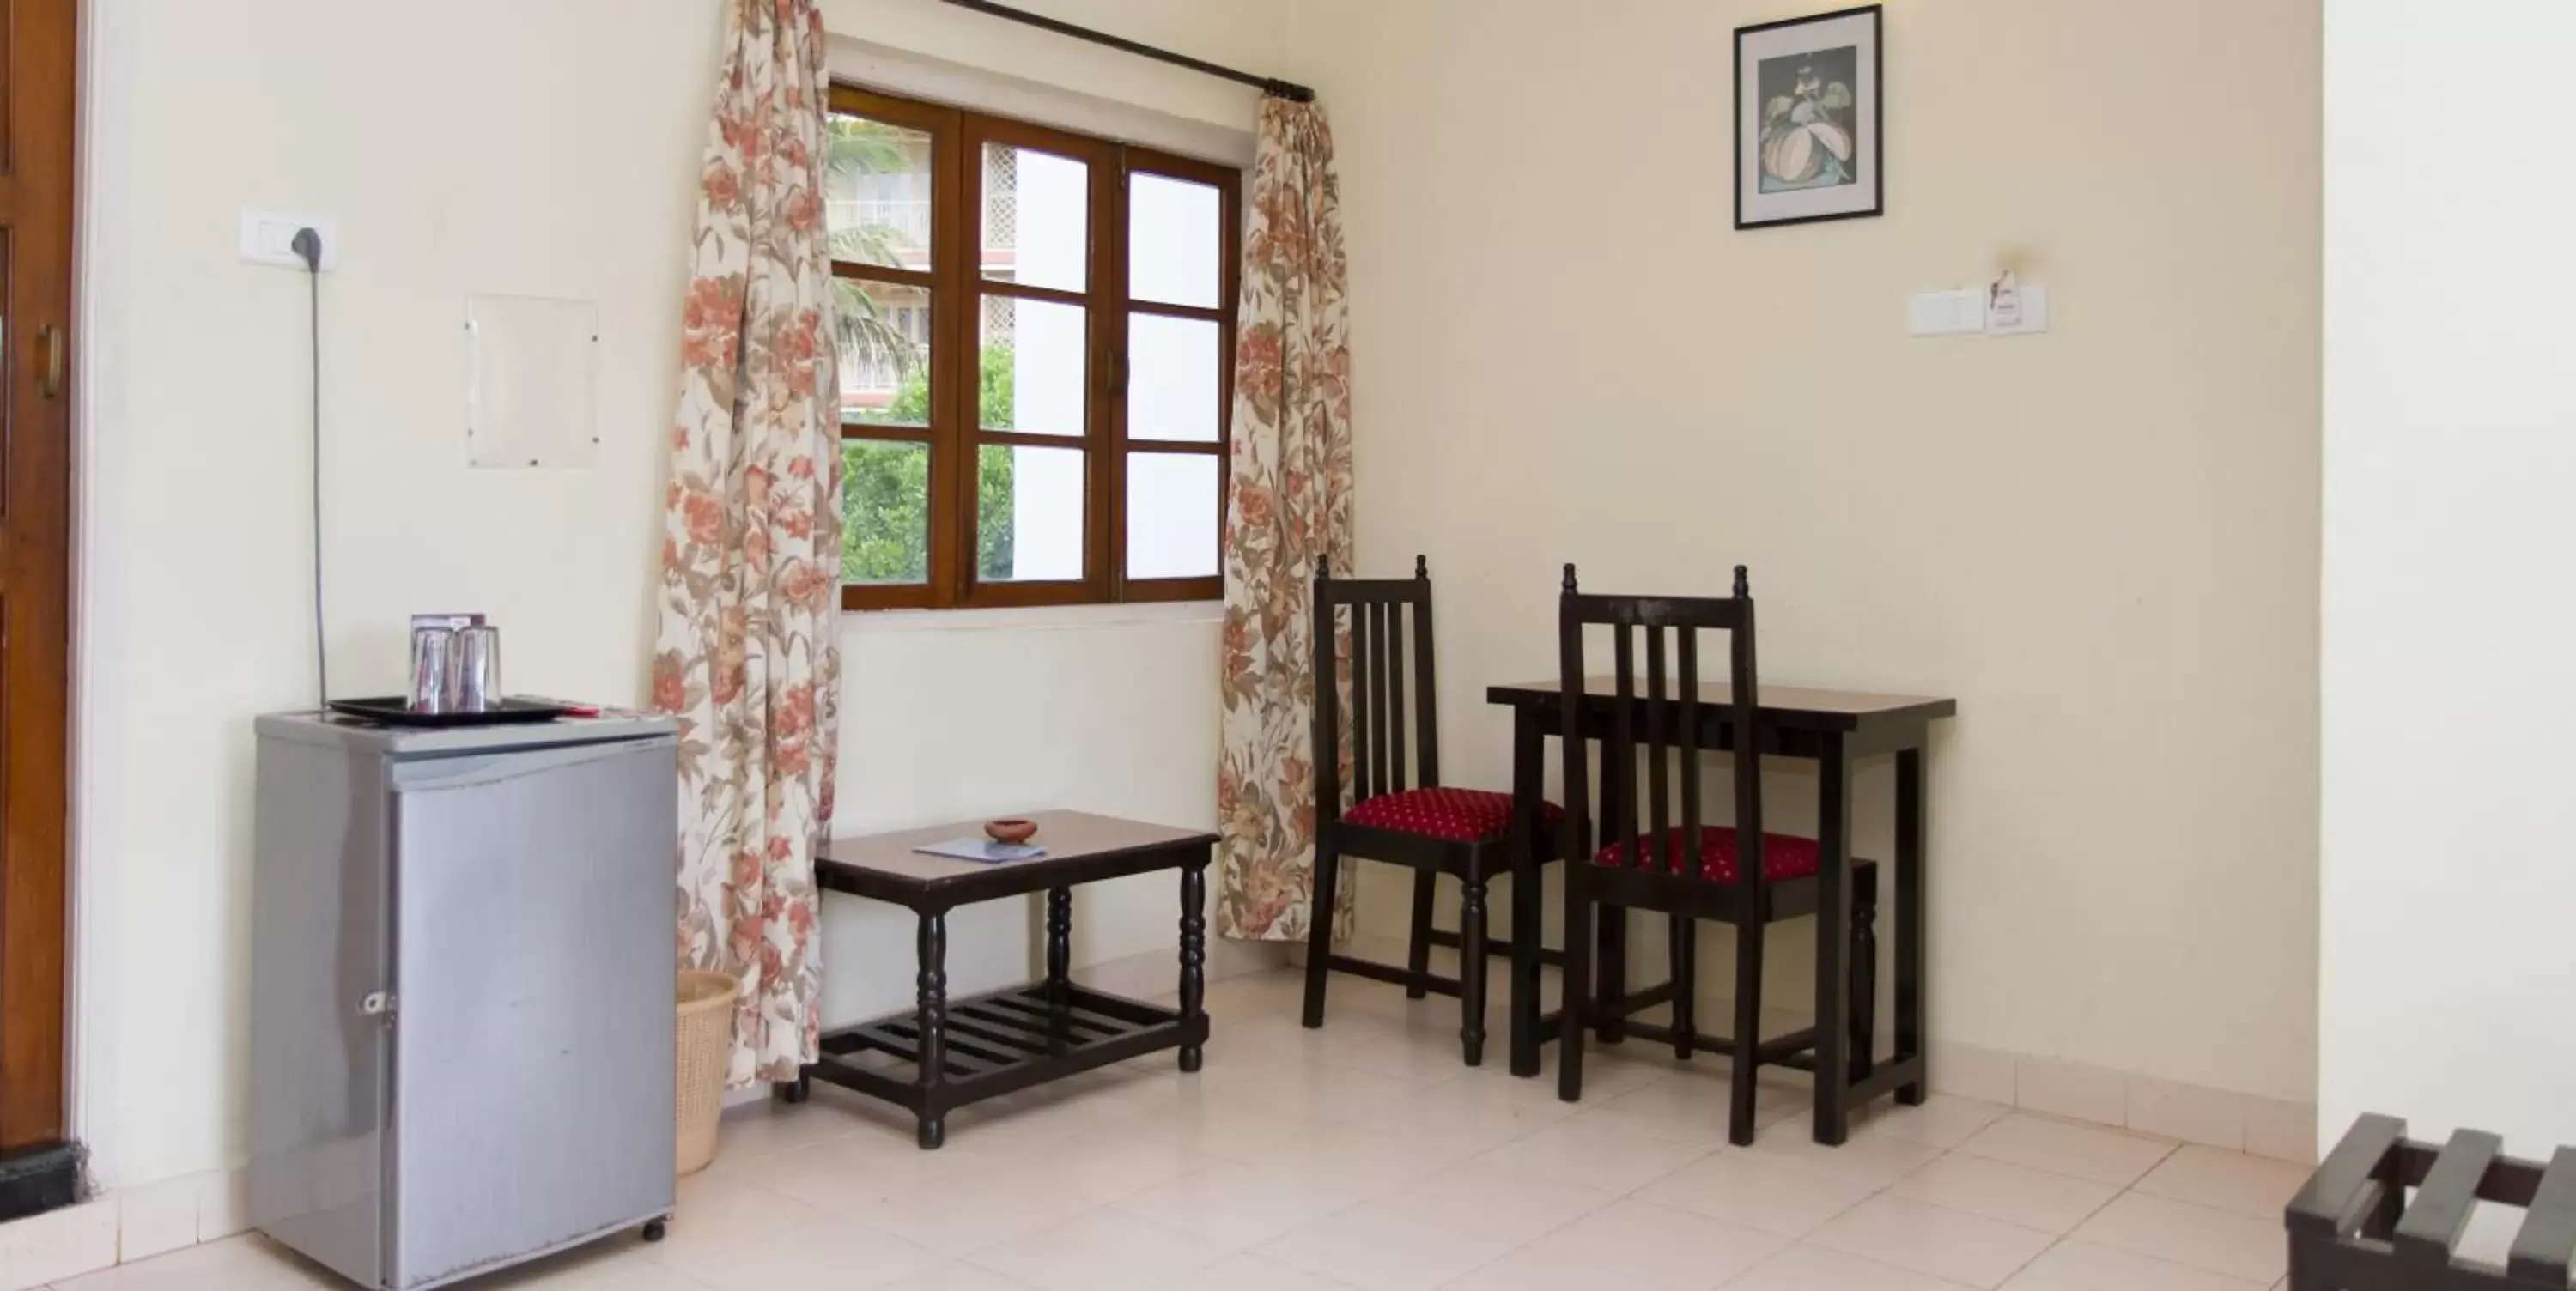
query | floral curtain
(1291,480)
(748,653)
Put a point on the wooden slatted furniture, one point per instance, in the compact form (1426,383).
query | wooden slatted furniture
(1679,864)
(1401,813)
(946,1054)
(1837,730)
(2352,1229)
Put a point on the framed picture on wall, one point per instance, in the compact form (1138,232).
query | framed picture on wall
(1809,120)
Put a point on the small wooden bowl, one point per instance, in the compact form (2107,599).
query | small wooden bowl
(1011,832)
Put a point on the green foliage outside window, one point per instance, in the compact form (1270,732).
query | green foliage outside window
(885,522)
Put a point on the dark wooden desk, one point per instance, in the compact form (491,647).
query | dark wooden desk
(1834,728)
(1008,1040)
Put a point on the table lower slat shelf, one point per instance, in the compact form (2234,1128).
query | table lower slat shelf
(1000,1043)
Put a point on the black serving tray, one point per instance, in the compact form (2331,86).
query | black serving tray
(392,710)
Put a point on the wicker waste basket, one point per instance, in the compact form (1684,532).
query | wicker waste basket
(706,1039)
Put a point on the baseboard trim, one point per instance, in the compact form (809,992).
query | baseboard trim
(123,1225)
(2279,1129)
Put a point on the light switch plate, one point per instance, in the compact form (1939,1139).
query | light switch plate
(1947,313)
(268,238)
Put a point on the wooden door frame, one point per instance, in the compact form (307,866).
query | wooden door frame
(38,174)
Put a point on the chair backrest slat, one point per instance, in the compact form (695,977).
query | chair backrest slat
(1386,779)
(1379,716)
(1687,646)
(1575,829)
(1664,850)
(1323,627)
(1622,757)
(1394,745)
(1396,761)
(1426,751)
(1751,845)
(1675,721)
(1390,746)
(1363,712)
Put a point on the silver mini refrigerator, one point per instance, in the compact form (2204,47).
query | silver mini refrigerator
(463,987)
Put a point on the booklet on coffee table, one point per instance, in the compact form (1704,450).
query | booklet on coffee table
(983,850)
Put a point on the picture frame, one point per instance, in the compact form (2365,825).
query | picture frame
(1810,119)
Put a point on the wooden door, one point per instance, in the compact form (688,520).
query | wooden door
(38,53)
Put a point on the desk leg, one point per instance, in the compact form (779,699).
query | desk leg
(1529,771)
(932,1023)
(1059,967)
(1194,959)
(1833,943)
(1909,918)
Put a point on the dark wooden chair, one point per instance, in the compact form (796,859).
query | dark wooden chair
(1401,813)
(1689,871)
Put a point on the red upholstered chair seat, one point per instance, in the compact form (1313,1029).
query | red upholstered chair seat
(1784,856)
(1458,815)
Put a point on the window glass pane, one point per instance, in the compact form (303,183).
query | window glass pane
(1173,233)
(1171,378)
(1028,514)
(1037,218)
(876,192)
(885,512)
(1171,515)
(884,336)
(1033,360)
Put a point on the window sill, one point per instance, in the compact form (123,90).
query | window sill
(1034,617)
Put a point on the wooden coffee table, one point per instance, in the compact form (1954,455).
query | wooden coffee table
(965,1051)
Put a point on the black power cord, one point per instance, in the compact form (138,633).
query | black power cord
(308,246)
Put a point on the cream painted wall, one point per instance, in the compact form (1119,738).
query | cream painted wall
(478,146)
(2448,464)
(2103,541)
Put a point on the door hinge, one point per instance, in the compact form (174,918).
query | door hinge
(377,1004)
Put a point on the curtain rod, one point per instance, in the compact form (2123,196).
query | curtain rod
(1273,86)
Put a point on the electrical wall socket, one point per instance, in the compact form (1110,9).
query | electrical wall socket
(268,238)
(2034,315)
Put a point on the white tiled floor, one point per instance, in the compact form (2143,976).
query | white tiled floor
(1363,1156)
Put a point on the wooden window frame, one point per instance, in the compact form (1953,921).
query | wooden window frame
(957,289)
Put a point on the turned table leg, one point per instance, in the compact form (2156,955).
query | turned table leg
(932,1129)
(1193,960)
